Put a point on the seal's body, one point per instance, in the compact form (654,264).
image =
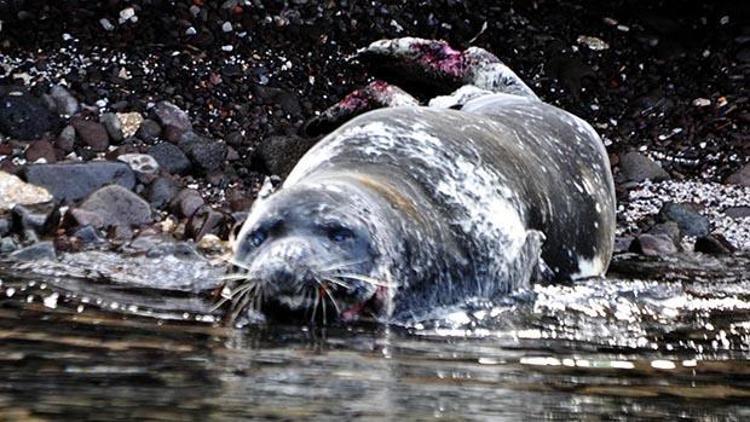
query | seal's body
(430,207)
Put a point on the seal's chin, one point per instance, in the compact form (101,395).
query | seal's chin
(321,307)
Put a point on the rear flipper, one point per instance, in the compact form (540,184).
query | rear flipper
(377,94)
(438,66)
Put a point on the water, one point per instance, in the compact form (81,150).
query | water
(109,337)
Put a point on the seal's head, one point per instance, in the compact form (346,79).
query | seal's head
(311,252)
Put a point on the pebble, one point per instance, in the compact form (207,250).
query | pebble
(66,103)
(170,158)
(106,24)
(92,134)
(741,177)
(636,167)
(169,115)
(161,192)
(40,151)
(130,123)
(140,163)
(118,206)
(714,245)
(113,125)
(41,219)
(653,245)
(39,251)
(593,43)
(66,139)
(186,203)
(14,191)
(149,130)
(69,182)
(25,117)
(207,155)
(687,217)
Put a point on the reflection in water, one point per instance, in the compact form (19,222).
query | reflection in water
(93,337)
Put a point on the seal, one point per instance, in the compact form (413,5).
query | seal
(405,209)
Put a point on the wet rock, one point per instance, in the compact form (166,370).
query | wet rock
(77,217)
(42,219)
(207,155)
(118,206)
(7,245)
(6,223)
(740,177)
(40,150)
(120,233)
(65,103)
(171,116)
(714,244)
(186,203)
(92,134)
(130,123)
(69,182)
(140,163)
(113,126)
(687,217)
(170,158)
(207,221)
(66,140)
(14,191)
(149,131)
(25,117)
(670,229)
(737,212)
(653,245)
(88,235)
(279,154)
(39,251)
(636,167)
(161,192)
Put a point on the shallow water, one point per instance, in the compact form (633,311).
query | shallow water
(108,336)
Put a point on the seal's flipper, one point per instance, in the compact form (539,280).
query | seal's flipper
(377,94)
(436,65)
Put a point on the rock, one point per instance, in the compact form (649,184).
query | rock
(207,221)
(653,245)
(740,177)
(6,223)
(40,251)
(7,245)
(118,206)
(40,150)
(636,167)
(25,117)
(140,163)
(77,217)
(130,123)
(207,155)
(69,182)
(92,134)
(149,131)
(669,229)
(42,219)
(186,203)
(171,116)
(65,102)
(113,125)
(714,244)
(88,235)
(279,154)
(687,217)
(737,212)
(14,191)
(170,158)
(288,101)
(161,192)
(67,139)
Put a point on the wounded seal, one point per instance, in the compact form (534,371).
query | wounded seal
(408,208)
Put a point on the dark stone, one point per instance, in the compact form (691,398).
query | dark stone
(170,158)
(42,219)
(279,154)
(636,167)
(205,221)
(6,224)
(206,154)
(653,245)
(714,244)
(740,177)
(186,203)
(121,233)
(118,207)
(737,212)
(7,245)
(76,217)
(687,217)
(66,140)
(88,235)
(37,252)
(169,115)
(40,149)
(288,101)
(113,125)
(25,117)
(69,182)
(65,103)
(92,134)
(622,244)
(149,131)
(161,192)
(669,229)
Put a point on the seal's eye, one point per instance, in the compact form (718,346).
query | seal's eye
(339,233)
(258,237)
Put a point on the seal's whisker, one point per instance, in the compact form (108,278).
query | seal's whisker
(231,296)
(316,295)
(363,278)
(333,301)
(338,283)
(233,261)
(234,276)
(343,264)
